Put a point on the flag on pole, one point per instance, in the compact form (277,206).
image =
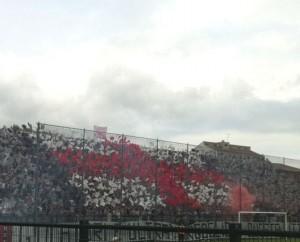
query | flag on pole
(100,132)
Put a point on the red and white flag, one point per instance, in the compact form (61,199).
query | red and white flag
(100,132)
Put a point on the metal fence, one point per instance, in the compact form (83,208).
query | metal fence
(283,160)
(61,174)
(84,232)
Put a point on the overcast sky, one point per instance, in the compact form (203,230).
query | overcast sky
(187,70)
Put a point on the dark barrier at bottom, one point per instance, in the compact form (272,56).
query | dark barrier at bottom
(234,232)
(85,232)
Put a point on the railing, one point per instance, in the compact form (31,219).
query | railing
(241,170)
(84,232)
(283,160)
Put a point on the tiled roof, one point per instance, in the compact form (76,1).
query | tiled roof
(229,148)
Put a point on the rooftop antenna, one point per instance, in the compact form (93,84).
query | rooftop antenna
(227,137)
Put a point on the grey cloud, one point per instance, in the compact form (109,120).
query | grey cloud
(19,101)
(22,101)
(125,97)
(133,103)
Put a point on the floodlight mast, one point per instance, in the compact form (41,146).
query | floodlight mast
(252,212)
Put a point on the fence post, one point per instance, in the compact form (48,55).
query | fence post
(284,189)
(122,168)
(156,173)
(83,231)
(240,187)
(82,159)
(181,234)
(187,154)
(234,232)
(36,153)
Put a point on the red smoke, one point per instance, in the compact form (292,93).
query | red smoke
(241,199)
(130,161)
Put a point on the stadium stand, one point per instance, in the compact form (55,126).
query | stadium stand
(55,173)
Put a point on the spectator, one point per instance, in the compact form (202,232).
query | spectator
(48,173)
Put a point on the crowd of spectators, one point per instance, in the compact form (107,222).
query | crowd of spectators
(54,173)
(31,180)
(274,190)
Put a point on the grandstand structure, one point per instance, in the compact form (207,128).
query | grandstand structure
(64,174)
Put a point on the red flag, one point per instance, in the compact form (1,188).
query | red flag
(100,132)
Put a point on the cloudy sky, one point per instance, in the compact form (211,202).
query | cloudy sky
(181,70)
